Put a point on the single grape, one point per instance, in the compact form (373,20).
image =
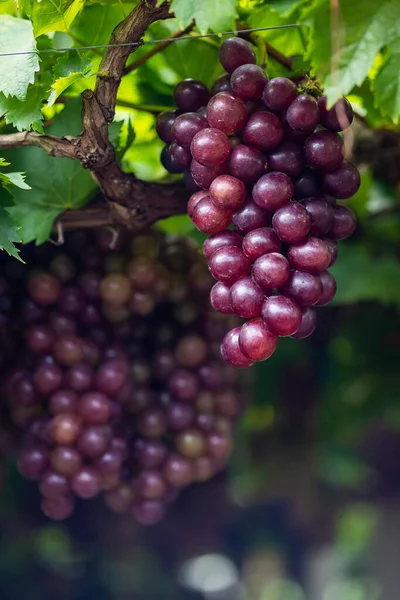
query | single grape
(235,52)
(228,264)
(324,150)
(148,512)
(332,247)
(231,351)
(228,192)
(179,416)
(53,485)
(164,124)
(142,272)
(65,460)
(204,176)
(281,315)
(180,156)
(194,200)
(344,223)
(307,325)
(40,338)
(190,443)
(72,301)
(250,216)
(191,350)
(246,298)
(273,190)
(86,483)
(263,130)
(177,470)
(33,461)
(218,240)
(68,350)
(291,223)
(169,163)
(183,385)
(304,288)
(210,218)
(248,81)
(185,128)
(150,453)
(210,147)
(111,376)
(226,112)
(59,508)
(328,288)
(303,114)
(260,241)
(150,485)
(151,423)
(190,95)
(279,93)
(63,401)
(94,440)
(89,283)
(109,463)
(321,214)
(80,377)
(65,428)
(307,186)
(120,499)
(44,289)
(288,158)
(219,298)
(48,379)
(219,445)
(221,84)
(94,408)
(337,118)
(311,255)
(256,341)
(342,183)
(271,271)
(247,164)
(203,468)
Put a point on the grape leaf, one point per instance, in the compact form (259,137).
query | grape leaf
(362,34)
(17,72)
(95,23)
(57,183)
(69,69)
(386,84)
(54,15)
(27,114)
(8,233)
(208,14)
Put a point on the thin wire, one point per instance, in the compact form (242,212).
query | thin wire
(134,44)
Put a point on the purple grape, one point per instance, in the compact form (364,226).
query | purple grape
(33,461)
(250,216)
(86,483)
(180,156)
(288,158)
(324,150)
(219,298)
(190,95)
(94,408)
(183,385)
(210,147)
(150,453)
(63,401)
(304,288)
(291,223)
(177,470)
(44,289)
(256,341)
(279,93)
(24,393)
(68,350)
(40,338)
(263,131)
(260,241)
(48,379)
(247,164)
(80,377)
(246,298)
(59,508)
(65,428)
(204,176)
(150,485)
(307,186)
(321,214)
(303,114)
(221,84)
(164,124)
(273,190)
(311,255)
(148,512)
(231,351)
(218,240)
(228,264)
(248,81)
(151,423)
(328,284)
(194,200)
(228,192)
(235,52)
(94,440)
(111,376)
(109,463)
(179,416)
(307,325)
(71,302)
(168,162)
(210,218)
(332,247)
(271,271)
(281,315)
(65,460)
(337,118)
(53,485)
(185,128)
(226,112)
(342,183)
(220,444)
(344,223)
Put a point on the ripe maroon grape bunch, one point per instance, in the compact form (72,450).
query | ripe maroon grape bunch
(268,160)
(112,371)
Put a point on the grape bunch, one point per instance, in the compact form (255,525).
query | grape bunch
(111,371)
(266,164)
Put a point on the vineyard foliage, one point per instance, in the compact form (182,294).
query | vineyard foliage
(353,52)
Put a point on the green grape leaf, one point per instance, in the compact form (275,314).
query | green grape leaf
(17,179)
(17,72)
(362,276)
(70,68)
(27,114)
(95,23)
(8,233)
(57,183)
(125,139)
(54,15)
(208,14)
(386,84)
(362,34)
